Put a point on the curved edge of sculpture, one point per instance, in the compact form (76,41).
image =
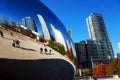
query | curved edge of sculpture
(37,69)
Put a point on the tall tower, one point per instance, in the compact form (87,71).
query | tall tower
(29,23)
(98,33)
(69,32)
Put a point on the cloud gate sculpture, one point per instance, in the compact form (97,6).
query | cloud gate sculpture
(33,16)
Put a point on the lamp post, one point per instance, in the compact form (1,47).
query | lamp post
(80,70)
(91,61)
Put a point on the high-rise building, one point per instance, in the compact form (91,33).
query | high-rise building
(69,32)
(98,33)
(86,50)
(29,23)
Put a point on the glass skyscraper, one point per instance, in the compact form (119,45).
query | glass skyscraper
(29,23)
(98,33)
(69,32)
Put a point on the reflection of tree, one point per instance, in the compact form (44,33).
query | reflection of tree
(5,23)
(71,56)
(17,28)
(57,46)
(42,40)
(13,25)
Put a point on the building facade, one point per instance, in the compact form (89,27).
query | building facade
(98,33)
(69,32)
(86,50)
(29,23)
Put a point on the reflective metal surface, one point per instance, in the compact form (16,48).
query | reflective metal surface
(47,24)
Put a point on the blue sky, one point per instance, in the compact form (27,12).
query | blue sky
(73,13)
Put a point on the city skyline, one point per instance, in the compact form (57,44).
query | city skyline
(74,14)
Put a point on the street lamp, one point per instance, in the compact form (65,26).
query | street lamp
(91,61)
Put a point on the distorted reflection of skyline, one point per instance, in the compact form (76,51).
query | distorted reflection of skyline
(16,10)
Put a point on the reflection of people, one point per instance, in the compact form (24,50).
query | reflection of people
(11,33)
(50,51)
(1,34)
(45,50)
(16,43)
(41,50)
(13,43)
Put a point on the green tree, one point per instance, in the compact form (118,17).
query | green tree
(57,46)
(114,67)
(88,72)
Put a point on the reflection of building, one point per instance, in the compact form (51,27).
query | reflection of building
(98,32)
(46,33)
(118,55)
(119,45)
(29,23)
(58,36)
(86,50)
(38,68)
(69,32)
(53,31)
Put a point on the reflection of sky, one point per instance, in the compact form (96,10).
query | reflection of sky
(18,9)
(15,10)
(119,45)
